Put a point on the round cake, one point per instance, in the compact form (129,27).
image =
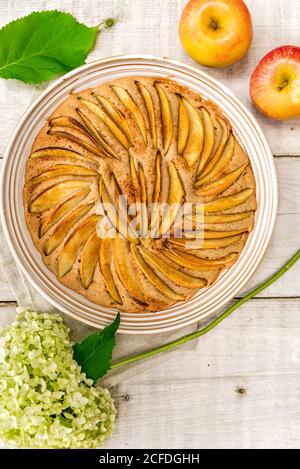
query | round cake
(138,193)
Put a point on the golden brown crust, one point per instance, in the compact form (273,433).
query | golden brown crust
(109,153)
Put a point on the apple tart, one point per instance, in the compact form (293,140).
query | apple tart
(154,144)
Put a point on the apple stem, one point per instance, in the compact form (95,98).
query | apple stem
(213,324)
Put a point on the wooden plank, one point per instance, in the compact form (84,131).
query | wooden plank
(192,400)
(151,28)
(284,243)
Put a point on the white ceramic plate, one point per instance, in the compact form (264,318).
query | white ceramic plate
(207,301)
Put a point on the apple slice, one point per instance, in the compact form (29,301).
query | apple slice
(227,217)
(215,188)
(98,111)
(125,269)
(224,203)
(213,160)
(144,205)
(95,135)
(221,163)
(154,225)
(206,234)
(128,102)
(135,180)
(62,170)
(64,227)
(183,262)
(176,276)
(194,144)
(115,114)
(60,152)
(117,220)
(61,211)
(166,118)
(175,198)
(203,264)
(78,141)
(206,243)
(55,194)
(89,260)
(69,123)
(275,82)
(209,139)
(222,218)
(137,190)
(157,182)
(71,247)
(145,93)
(183,127)
(156,281)
(105,254)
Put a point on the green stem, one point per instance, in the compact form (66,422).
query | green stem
(213,324)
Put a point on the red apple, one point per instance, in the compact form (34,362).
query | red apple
(275,83)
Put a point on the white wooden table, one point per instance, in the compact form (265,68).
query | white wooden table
(241,387)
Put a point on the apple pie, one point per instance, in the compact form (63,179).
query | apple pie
(186,188)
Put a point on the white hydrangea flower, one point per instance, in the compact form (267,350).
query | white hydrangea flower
(45,399)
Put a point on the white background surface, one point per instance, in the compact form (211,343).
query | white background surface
(192,400)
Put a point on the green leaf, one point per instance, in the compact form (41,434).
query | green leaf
(94,353)
(44,44)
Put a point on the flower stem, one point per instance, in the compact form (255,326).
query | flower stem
(213,324)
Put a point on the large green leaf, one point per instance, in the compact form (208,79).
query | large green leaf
(94,353)
(43,44)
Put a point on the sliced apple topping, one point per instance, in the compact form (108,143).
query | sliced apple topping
(64,227)
(156,281)
(175,256)
(156,195)
(221,163)
(176,276)
(215,158)
(96,136)
(198,263)
(67,122)
(74,138)
(71,247)
(62,170)
(183,127)
(128,102)
(52,196)
(125,269)
(193,148)
(105,253)
(54,217)
(89,260)
(206,234)
(146,95)
(221,184)
(209,139)
(224,203)
(206,243)
(166,118)
(175,199)
(157,182)
(144,203)
(104,117)
(135,180)
(222,218)
(60,152)
(116,219)
(116,115)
